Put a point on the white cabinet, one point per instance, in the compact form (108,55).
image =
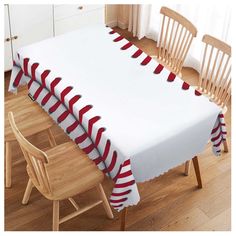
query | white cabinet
(71,17)
(26,24)
(30,23)
(7,41)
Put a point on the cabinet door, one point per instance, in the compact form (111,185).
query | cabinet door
(7,41)
(63,11)
(72,17)
(30,23)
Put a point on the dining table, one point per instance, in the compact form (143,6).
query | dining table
(129,113)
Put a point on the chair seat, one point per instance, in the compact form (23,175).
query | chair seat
(29,116)
(70,172)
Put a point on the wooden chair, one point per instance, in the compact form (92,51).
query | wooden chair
(175,39)
(214,77)
(31,119)
(60,173)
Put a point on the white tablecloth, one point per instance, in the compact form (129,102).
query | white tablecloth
(131,115)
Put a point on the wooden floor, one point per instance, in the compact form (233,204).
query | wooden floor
(170,202)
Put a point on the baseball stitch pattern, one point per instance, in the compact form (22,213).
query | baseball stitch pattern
(123,178)
(218,134)
(122,183)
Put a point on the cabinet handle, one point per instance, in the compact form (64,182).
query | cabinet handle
(80,8)
(14,37)
(7,39)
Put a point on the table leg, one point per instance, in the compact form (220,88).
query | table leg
(226,149)
(197,171)
(187,168)
(8,163)
(123,216)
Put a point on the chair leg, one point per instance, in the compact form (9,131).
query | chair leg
(8,162)
(197,171)
(105,202)
(51,138)
(226,149)
(187,168)
(123,218)
(27,193)
(55,219)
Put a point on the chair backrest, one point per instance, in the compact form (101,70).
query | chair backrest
(35,158)
(215,71)
(175,39)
